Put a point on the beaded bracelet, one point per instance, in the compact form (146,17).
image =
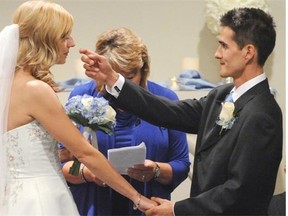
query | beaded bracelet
(84,180)
(136,206)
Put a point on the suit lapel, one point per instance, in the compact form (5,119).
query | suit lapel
(261,88)
(211,132)
(212,137)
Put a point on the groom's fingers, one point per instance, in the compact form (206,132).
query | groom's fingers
(88,57)
(91,55)
(89,67)
(158,200)
(86,51)
(85,59)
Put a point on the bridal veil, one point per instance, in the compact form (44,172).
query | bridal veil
(9,44)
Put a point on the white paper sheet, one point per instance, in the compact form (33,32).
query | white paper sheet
(122,158)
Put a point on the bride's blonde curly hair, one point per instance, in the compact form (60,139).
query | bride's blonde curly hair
(42,25)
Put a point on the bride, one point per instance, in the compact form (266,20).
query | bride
(32,118)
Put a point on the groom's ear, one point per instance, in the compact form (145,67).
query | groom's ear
(250,53)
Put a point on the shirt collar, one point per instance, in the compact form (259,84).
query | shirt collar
(246,86)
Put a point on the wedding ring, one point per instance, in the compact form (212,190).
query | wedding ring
(143,178)
(104,184)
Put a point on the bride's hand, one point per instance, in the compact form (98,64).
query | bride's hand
(144,203)
(65,155)
(165,207)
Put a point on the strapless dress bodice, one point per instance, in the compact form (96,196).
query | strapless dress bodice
(35,185)
(31,151)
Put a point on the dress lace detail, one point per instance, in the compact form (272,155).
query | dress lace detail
(14,159)
(37,134)
(36,185)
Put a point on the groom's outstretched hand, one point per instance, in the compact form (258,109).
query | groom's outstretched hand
(98,67)
(165,207)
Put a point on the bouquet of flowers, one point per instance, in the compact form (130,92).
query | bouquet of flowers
(226,118)
(93,114)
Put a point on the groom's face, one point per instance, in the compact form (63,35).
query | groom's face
(231,57)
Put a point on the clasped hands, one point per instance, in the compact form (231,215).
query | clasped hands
(161,207)
(144,173)
(158,206)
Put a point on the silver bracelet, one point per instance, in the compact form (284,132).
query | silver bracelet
(136,206)
(84,180)
(157,171)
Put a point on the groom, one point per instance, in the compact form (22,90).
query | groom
(237,155)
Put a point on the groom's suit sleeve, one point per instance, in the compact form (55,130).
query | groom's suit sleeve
(181,115)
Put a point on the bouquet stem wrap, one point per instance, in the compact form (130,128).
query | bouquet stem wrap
(89,134)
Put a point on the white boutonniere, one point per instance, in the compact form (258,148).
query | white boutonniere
(227,117)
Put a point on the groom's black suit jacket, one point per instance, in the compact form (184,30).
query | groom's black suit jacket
(235,171)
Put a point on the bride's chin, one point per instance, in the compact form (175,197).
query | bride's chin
(61,61)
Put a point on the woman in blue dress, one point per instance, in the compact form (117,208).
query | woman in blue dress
(167,161)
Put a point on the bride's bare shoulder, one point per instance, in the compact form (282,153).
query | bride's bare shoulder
(41,92)
(31,91)
(31,85)
(39,86)
(28,96)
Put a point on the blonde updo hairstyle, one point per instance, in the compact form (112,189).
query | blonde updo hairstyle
(42,25)
(125,52)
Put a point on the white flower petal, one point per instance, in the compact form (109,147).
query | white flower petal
(216,8)
(226,113)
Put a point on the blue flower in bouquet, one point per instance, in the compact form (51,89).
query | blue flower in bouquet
(93,114)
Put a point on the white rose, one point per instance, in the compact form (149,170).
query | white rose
(110,115)
(87,102)
(227,112)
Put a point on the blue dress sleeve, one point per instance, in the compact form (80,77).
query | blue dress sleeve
(178,152)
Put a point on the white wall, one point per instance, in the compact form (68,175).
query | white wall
(172,30)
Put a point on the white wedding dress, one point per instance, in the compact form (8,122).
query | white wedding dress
(36,184)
